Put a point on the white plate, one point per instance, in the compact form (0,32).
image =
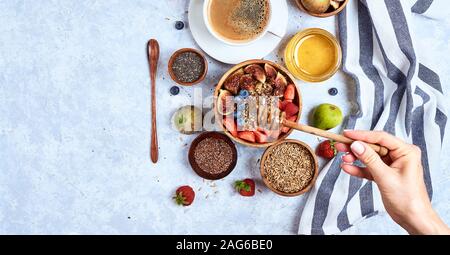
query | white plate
(236,54)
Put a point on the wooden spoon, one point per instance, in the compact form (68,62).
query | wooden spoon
(153,58)
(382,151)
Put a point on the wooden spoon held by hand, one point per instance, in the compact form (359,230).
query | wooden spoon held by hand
(153,58)
(382,151)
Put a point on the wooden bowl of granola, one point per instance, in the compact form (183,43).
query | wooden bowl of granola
(289,168)
(258,78)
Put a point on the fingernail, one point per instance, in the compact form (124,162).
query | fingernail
(357,148)
(347,130)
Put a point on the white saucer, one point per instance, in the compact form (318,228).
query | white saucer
(236,54)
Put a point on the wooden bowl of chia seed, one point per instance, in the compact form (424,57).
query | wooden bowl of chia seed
(188,67)
(213,155)
(289,168)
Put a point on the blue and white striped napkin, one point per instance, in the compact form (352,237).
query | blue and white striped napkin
(395,92)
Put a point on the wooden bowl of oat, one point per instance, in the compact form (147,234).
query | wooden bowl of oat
(289,168)
(257,77)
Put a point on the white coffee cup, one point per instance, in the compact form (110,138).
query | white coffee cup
(229,42)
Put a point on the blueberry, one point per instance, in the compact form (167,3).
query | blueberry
(174,90)
(333,91)
(179,25)
(244,93)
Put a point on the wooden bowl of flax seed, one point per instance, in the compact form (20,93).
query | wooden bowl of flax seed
(213,155)
(289,168)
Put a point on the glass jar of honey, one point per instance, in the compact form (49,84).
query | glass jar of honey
(313,55)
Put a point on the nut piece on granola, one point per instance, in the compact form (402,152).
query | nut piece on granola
(263,89)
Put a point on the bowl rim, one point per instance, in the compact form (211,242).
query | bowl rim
(218,116)
(298,193)
(172,59)
(197,169)
(325,14)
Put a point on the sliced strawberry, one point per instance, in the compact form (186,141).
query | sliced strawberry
(245,187)
(262,130)
(267,134)
(289,93)
(261,137)
(282,104)
(291,109)
(292,118)
(247,135)
(275,134)
(285,129)
(230,125)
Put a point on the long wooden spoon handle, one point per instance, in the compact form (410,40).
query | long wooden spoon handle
(382,151)
(153,58)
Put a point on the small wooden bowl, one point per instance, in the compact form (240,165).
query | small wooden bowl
(310,185)
(219,117)
(175,55)
(200,171)
(325,14)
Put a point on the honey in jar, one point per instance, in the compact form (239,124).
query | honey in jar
(313,55)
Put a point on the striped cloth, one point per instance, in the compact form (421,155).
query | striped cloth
(394,92)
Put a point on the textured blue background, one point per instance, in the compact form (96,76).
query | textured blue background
(74,125)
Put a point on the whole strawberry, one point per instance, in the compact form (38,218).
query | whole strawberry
(326,149)
(184,196)
(245,187)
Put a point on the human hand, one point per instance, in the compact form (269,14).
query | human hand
(399,177)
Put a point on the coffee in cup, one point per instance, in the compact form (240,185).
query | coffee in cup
(238,21)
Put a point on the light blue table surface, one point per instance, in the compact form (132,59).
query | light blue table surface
(75,125)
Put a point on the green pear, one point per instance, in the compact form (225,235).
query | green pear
(327,116)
